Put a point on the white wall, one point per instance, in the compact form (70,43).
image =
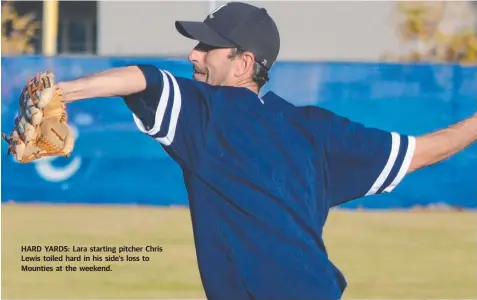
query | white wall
(147,28)
(310,30)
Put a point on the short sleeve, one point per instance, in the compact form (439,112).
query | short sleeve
(361,161)
(174,111)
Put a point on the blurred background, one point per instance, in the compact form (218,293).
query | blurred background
(409,67)
(402,66)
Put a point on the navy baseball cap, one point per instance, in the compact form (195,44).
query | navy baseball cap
(237,25)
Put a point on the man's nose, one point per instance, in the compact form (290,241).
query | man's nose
(196,56)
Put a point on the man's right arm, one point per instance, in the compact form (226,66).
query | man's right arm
(115,82)
(172,110)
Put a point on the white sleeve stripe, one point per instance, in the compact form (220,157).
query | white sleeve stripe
(161,108)
(176,108)
(405,164)
(395,144)
(139,123)
(160,111)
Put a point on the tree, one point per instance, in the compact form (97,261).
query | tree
(435,32)
(17,31)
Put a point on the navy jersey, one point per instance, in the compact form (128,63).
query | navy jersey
(261,175)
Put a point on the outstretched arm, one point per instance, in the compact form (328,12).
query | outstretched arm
(362,161)
(172,110)
(121,81)
(440,145)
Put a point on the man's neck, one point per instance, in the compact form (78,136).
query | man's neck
(248,85)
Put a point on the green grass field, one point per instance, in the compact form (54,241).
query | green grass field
(383,254)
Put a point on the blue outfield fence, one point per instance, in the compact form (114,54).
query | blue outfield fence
(114,163)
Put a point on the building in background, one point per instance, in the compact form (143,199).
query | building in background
(77,31)
(311,30)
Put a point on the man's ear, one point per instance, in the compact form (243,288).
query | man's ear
(246,61)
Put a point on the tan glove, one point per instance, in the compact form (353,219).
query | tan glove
(41,128)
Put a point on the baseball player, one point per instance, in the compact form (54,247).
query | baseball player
(261,174)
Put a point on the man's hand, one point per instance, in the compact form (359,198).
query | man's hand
(41,127)
(440,145)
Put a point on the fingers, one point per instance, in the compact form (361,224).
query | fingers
(42,89)
(23,96)
(34,115)
(32,100)
(17,146)
(24,129)
(6,138)
(39,91)
(29,101)
(19,138)
(44,96)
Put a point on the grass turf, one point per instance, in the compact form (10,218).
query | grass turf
(383,254)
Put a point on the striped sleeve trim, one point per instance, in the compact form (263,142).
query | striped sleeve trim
(405,164)
(167,112)
(399,160)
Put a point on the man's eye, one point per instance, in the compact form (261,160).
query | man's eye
(204,47)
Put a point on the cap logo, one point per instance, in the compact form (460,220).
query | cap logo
(211,15)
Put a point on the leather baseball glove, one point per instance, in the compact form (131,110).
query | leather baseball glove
(41,128)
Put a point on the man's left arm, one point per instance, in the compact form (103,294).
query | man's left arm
(361,161)
(437,146)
